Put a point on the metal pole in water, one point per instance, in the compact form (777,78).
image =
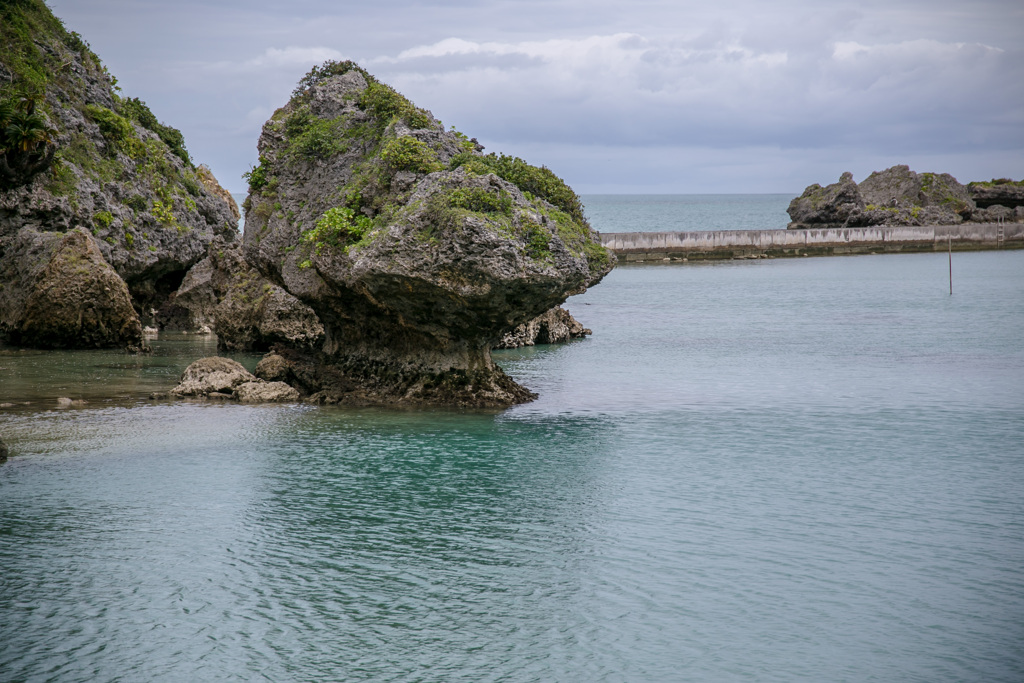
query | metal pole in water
(950,235)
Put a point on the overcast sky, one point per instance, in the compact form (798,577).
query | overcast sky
(616,97)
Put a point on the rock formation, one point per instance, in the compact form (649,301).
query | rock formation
(895,196)
(217,377)
(248,312)
(551,327)
(59,293)
(998,192)
(899,196)
(415,250)
(114,170)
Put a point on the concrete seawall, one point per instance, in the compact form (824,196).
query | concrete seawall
(634,247)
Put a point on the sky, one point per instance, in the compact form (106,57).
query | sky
(730,96)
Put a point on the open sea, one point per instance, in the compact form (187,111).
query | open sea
(775,470)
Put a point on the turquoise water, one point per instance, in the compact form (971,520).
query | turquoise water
(686,212)
(803,469)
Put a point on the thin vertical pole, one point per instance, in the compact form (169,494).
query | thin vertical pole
(950,235)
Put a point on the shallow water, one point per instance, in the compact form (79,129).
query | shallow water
(803,469)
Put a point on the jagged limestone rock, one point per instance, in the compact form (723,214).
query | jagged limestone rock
(997,192)
(416,252)
(895,196)
(831,205)
(116,171)
(58,292)
(217,377)
(244,309)
(556,326)
(212,375)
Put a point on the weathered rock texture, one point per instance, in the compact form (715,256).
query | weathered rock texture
(217,377)
(116,172)
(552,327)
(247,311)
(896,196)
(58,292)
(999,192)
(415,251)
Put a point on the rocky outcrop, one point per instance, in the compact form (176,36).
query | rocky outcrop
(997,192)
(833,204)
(117,172)
(895,196)
(59,292)
(899,196)
(415,251)
(247,312)
(552,327)
(217,377)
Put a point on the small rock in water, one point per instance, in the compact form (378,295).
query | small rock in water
(3,451)
(6,405)
(265,392)
(64,402)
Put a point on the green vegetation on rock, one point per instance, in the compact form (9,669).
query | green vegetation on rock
(540,182)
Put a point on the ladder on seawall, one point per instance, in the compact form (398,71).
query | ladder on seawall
(1000,235)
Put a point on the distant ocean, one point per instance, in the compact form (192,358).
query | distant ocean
(686,212)
(773,470)
(679,212)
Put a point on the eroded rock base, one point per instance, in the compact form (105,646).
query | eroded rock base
(324,380)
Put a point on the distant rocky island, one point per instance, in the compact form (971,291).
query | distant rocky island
(383,255)
(899,196)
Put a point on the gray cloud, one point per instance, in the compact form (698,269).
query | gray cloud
(683,96)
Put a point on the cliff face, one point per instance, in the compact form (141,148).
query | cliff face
(102,163)
(416,251)
(899,196)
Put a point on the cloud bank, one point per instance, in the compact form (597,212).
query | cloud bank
(666,97)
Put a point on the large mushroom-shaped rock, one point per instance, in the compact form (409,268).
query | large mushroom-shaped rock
(416,251)
(61,293)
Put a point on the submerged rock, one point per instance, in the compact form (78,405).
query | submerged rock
(61,293)
(415,251)
(4,452)
(552,327)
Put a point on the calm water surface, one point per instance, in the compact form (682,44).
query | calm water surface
(686,212)
(805,469)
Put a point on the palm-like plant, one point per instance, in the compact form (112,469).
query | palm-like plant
(26,141)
